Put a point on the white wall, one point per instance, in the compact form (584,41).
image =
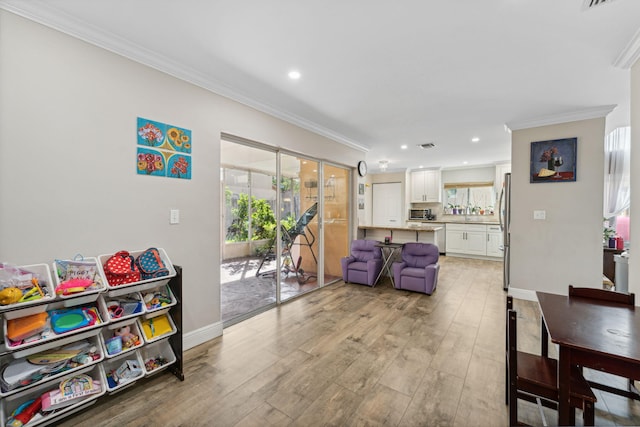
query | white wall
(480,174)
(566,248)
(68,178)
(634,252)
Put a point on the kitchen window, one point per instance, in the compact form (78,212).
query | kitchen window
(469,198)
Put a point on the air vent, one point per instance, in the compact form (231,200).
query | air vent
(589,4)
(427,145)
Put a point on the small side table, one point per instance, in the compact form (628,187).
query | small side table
(389,251)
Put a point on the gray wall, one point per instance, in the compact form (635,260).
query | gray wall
(566,248)
(68,177)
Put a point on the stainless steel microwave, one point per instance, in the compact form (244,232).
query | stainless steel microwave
(420,214)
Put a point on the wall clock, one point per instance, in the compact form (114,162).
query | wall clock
(362,168)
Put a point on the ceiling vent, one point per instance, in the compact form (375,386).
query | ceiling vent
(590,4)
(427,145)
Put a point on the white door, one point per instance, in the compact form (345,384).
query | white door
(387,204)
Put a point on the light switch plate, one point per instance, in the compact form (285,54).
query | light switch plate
(539,214)
(174,217)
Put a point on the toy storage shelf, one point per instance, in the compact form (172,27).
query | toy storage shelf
(175,361)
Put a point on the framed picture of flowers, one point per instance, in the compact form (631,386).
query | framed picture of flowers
(553,160)
(163,149)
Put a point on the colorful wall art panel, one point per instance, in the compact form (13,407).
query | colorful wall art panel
(163,150)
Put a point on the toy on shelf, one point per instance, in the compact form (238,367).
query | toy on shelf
(123,339)
(25,412)
(69,391)
(157,298)
(77,276)
(20,285)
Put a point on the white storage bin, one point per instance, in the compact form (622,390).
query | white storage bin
(162,293)
(156,328)
(110,366)
(52,340)
(110,331)
(7,359)
(11,403)
(143,284)
(157,351)
(26,308)
(130,304)
(88,295)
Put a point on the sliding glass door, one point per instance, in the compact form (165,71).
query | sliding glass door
(335,220)
(274,209)
(299,218)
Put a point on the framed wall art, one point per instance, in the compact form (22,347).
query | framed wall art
(554,160)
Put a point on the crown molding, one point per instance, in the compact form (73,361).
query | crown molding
(630,54)
(49,16)
(573,116)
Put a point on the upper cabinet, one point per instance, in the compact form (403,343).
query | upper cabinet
(425,186)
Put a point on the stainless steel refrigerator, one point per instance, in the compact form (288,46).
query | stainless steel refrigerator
(504,213)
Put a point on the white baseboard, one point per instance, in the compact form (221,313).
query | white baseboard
(202,335)
(524,294)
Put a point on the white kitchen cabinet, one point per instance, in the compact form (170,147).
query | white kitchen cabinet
(425,186)
(440,236)
(467,239)
(494,241)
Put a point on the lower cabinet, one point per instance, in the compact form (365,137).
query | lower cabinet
(482,240)
(468,239)
(494,241)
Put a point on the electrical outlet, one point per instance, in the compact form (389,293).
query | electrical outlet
(539,214)
(174,217)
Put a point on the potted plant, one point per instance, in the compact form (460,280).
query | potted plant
(607,233)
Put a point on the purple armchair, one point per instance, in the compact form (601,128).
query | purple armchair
(418,270)
(364,264)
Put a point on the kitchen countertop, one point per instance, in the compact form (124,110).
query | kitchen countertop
(415,228)
(461,220)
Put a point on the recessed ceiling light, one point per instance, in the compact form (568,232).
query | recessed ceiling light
(294,74)
(403,146)
(475,139)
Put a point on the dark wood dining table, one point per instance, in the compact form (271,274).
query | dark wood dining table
(595,334)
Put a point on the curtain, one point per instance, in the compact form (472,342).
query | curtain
(617,168)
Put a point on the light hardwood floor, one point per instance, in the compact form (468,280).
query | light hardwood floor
(350,355)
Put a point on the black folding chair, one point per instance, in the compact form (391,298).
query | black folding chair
(289,239)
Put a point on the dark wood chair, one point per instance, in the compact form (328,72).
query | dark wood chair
(609,296)
(535,378)
(603,295)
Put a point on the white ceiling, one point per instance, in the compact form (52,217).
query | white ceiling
(380,73)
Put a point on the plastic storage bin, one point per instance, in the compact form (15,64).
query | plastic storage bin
(143,284)
(130,363)
(26,308)
(11,403)
(157,357)
(161,293)
(112,348)
(156,328)
(80,268)
(51,340)
(124,307)
(16,373)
